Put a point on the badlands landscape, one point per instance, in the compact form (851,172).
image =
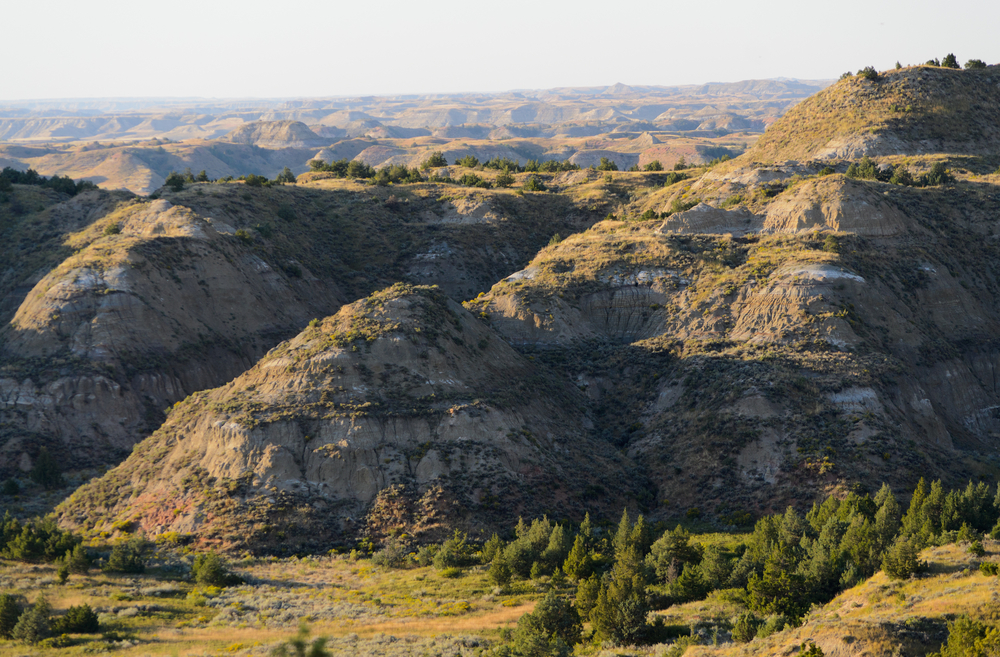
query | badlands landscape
(705,370)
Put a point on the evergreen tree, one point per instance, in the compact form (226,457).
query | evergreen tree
(587,530)
(558,547)
(900,561)
(202,176)
(174,181)
(10,612)
(950,61)
(126,557)
(621,542)
(46,473)
(499,572)
(587,591)
(578,564)
(77,559)
(505,178)
(33,625)
(492,547)
(553,617)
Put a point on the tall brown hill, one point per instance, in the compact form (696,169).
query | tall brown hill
(402,411)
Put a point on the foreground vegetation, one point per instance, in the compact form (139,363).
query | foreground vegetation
(551,589)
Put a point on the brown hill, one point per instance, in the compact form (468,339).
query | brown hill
(911,111)
(401,411)
(275,134)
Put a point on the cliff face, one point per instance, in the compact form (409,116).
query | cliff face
(401,410)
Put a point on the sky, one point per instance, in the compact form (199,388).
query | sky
(272,49)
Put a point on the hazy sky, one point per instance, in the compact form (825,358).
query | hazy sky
(250,48)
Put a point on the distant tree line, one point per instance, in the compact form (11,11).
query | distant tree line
(10,176)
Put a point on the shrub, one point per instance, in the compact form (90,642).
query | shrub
(126,557)
(938,175)
(534,184)
(745,628)
(868,73)
(990,568)
(505,179)
(472,180)
(468,161)
(974,64)
(81,619)
(300,646)
(949,61)
(112,229)
(210,569)
(932,62)
(653,166)
(393,552)
(253,180)
(435,160)
(554,625)
(11,487)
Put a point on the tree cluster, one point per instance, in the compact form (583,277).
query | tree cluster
(10,176)
(867,169)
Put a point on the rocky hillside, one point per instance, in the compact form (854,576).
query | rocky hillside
(127,305)
(401,411)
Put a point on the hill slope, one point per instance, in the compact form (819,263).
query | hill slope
(402,407)
(910,111)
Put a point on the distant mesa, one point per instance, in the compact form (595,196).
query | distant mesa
(275,134)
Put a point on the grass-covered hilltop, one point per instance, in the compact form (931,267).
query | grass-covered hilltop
(505,400)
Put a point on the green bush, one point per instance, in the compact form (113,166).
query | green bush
(653,166)
(81,619)
(211,570)
(253,180)
(468,161)
(534,184)
(950,61)
(990,568)
(974,64)
(745,628)
(505,179)
(868,73)
(472,180)
(126,557)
